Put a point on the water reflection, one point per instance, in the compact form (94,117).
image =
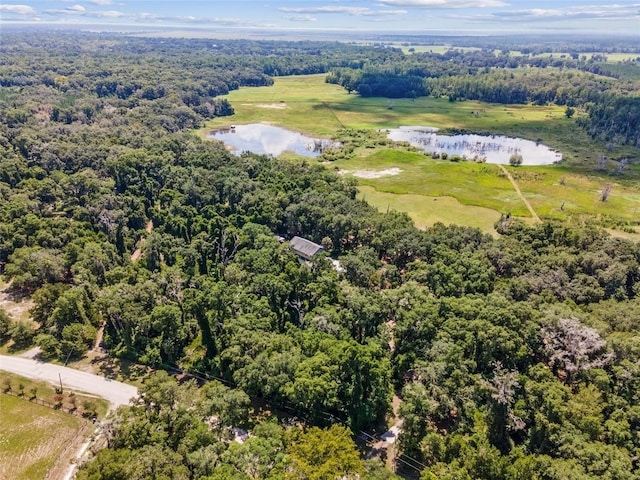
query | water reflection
(267,139)
(495,149)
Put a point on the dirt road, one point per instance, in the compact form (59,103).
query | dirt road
(522,197)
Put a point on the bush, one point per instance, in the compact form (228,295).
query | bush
(515,159)
(22,334)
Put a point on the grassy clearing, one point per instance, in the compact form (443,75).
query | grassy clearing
(32,437)
(558,192)
(477,184)
(304,99)
(554,192)
(426,211)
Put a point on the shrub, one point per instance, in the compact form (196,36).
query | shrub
(515,159)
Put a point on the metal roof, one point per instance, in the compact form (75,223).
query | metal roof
(305,248)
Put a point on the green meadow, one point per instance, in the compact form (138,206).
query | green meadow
(479,184)
(426,211)
(467,193)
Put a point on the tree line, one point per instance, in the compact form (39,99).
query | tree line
(609,96)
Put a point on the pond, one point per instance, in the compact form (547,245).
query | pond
(267,139)
(495,148)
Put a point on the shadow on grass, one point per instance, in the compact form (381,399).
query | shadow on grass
(119,369)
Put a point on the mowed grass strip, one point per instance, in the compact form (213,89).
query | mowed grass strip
(427,211)
(32,437)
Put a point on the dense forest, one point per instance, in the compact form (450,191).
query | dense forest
(516,357)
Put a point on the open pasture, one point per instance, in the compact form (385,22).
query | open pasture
(475,194)
(477,184)
(570,190)
(307,104)
(32,437)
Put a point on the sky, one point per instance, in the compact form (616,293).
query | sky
(467,17)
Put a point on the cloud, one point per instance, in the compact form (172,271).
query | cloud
(76,9)
(109,13)
(101,2)
(18,9)
(591,12)
(353,11)
(301,18)
(445,3)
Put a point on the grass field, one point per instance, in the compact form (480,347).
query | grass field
(426,211)
(569,190)
(477,184)
(32,437)
(483,192)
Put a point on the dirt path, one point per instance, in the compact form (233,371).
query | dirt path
(385,447)
(522,197)
(99,335)
(138,251)
(65,467)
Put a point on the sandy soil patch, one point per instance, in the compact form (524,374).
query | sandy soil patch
(16,306)
(372,173)
(276,106)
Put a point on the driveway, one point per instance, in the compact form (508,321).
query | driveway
(116,393)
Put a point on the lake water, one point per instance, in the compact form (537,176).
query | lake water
(267,139)
(496,148)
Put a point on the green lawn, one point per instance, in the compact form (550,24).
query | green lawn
(32,437)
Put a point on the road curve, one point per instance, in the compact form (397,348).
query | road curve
(116,393)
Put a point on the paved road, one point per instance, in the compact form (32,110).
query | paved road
(117,393)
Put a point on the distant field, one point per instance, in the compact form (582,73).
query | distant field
(32,437)
(611,57)
(433,48)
